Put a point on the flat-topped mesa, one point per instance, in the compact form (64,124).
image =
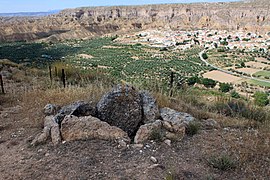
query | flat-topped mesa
(92,21)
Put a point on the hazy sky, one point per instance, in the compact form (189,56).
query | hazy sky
(46,5)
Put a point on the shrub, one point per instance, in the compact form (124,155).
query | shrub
(225,87)
(261,99)
(208,82)
(192,128)
(235,94)
(192,80)
(156,135)
(205,56)
(223,162)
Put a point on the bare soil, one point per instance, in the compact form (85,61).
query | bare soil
(256,64)
(248,70)
(221,77)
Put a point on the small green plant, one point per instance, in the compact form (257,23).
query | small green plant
(235,95)
(261,99)
(156,135)
(172,176)
(223,162)
(192,128)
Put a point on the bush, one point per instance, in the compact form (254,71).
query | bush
(225,87)
(208,82)
(192,128)
(205,56)
(261,99)
(156,135)
(223,162)
(192,80)
(235,94)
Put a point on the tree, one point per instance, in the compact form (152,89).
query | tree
(225,87)
(243,64)
(261,98)
(204,56)
(192,80)
(209,83)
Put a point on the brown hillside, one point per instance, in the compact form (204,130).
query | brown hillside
(93,21)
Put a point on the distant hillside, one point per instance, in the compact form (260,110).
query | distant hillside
(95,21)
(29,13)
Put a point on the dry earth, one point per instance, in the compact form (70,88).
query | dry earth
(248,70)
(96,159)
(221,77)
(256,64)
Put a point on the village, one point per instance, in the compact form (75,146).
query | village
(237,57)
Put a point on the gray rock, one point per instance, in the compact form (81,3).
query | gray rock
(78,109)
(51,109)
(6,74)
(210,124)
(42,138)
(168,142)
(150,108)
(173,121)
(153,159)
(146,131)
(88,127)
(55,135)
(121,107)
(49,122)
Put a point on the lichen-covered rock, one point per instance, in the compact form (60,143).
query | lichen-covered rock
(41,138)
(150,107)
(174,121)
(55,134)
(88,127)
(49,121)
(121,107)
(79,109)
(210,124)
(51,109)
(146,131)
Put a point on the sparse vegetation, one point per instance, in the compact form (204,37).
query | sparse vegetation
(223,162)
(192,128)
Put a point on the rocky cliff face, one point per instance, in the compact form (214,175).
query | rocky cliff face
(93,21)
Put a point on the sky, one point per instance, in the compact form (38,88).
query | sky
(11,6)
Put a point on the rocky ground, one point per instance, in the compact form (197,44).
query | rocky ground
(98,159)
(216,151)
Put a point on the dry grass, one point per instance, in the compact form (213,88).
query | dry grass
(33,102)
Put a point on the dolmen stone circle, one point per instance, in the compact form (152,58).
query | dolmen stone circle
(124,114)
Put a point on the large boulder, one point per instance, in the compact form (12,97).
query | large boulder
(88,127)
(121,107)
(79,109)
(150,108)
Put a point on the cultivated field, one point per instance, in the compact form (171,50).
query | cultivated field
(221,77)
